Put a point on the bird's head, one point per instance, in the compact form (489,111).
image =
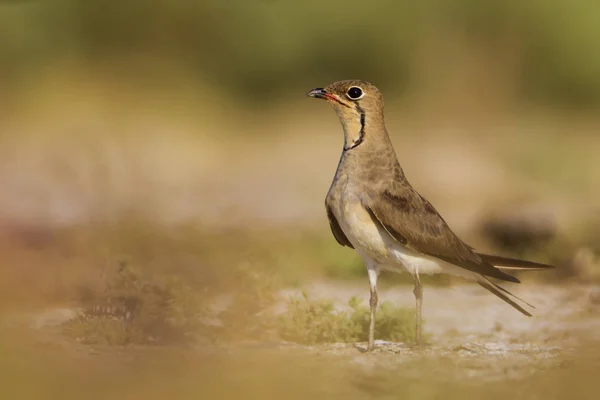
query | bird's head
(357,103)
(350,96)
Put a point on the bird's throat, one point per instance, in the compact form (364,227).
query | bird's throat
(354,135)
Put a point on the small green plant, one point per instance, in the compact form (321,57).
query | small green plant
(137,309)
(310,322)
(396,324)
(142,308)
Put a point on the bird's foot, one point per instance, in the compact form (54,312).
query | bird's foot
(370,347)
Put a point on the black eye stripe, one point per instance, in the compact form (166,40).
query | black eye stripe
(354,93)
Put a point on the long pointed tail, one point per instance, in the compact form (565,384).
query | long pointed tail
(505,263)
(504,295)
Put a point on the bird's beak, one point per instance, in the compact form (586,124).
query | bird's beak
(319,93)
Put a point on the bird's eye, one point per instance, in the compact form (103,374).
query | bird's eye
(355,93)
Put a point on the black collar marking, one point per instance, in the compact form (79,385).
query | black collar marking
(361,134)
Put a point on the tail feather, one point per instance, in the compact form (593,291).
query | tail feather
(506,263)
(513,263)
(510,294)
(504,295)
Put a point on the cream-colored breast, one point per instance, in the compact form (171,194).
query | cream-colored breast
(362,231)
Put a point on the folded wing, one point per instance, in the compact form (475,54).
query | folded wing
(412,221)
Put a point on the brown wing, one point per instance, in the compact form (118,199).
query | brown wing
(413,221)
(337,231)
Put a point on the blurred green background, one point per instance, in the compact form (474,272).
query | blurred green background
(174,138)
(256,51)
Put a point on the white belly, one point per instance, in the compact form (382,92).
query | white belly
(419,264)
(378,248)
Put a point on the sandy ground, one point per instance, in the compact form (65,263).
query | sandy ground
(471,333)
(454,316)
(459,314)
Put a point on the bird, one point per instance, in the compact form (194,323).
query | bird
(373,209)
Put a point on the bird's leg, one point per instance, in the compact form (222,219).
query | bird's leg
(373,274)
(373,303)
(418,291)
